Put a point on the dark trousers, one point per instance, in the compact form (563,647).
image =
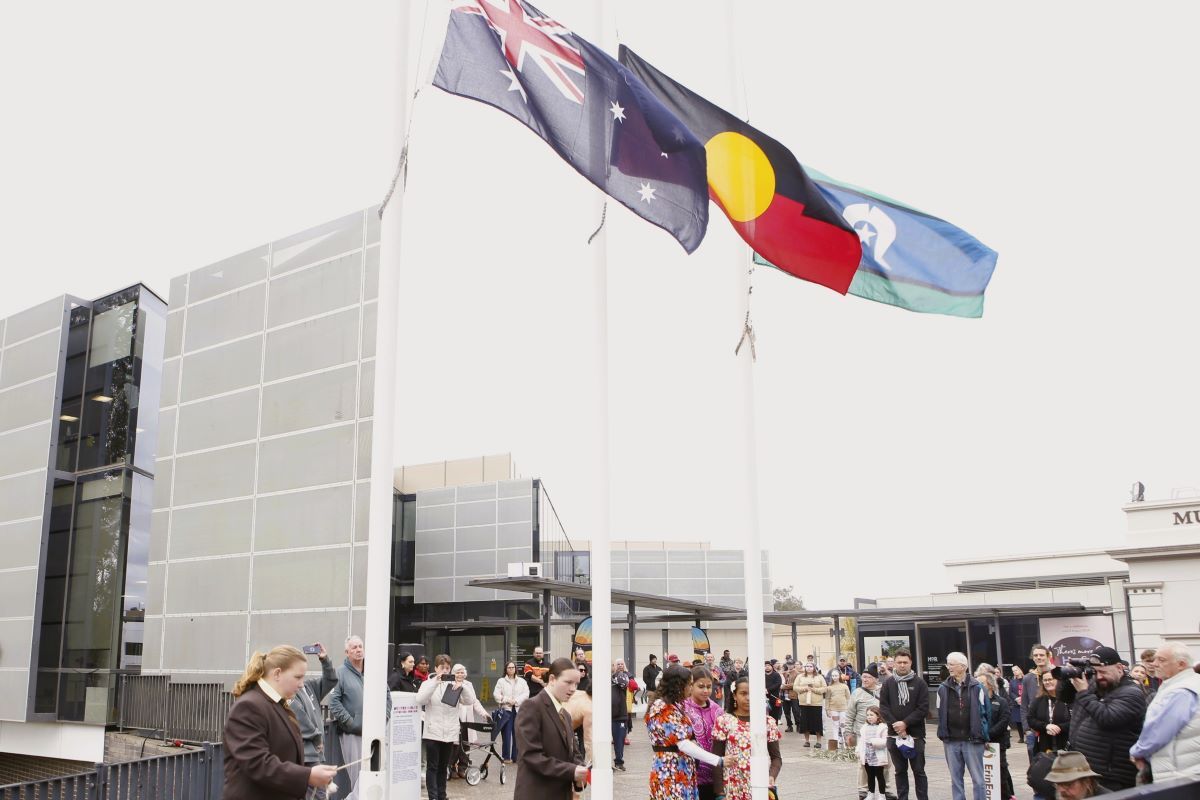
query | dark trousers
(875,779)
(916,764)
(1006,782)
(791,711)
(707,791)
(437,765)
(618,734)
(508,746)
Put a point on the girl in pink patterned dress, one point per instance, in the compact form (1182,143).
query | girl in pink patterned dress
(731,737)
(673,772)
(703,714)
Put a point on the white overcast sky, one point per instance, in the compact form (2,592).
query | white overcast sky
(142,140)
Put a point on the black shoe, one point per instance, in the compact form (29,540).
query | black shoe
(789,730)
(621,767)
(862,796)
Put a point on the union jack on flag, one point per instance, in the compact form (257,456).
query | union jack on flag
(591,110)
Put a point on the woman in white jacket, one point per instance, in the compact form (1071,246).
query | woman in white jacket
(510,692)
(872,753)
(442,721)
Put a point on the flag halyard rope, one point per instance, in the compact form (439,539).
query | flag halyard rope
(748,335)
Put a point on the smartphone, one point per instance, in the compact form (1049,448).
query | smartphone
(311,649)
(448,677)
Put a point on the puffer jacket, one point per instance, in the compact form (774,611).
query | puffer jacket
(1181,755)
(441,720)
(1104,727)
(809,690)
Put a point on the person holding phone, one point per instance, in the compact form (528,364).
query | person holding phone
(440,697)
(307,707)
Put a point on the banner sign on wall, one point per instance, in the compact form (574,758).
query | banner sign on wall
(583,638)
(700,645)
(1075,637)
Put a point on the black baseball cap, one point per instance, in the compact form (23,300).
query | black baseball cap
(1105,657)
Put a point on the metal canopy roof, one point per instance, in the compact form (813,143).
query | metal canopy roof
(929,613)
(583,591)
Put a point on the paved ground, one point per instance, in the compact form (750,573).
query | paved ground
(805,776)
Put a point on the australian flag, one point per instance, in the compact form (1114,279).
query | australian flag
(590,109)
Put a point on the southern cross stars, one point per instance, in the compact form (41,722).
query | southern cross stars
(514,84)
(647,192)
(617,111)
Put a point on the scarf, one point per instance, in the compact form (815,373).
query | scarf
(902,682)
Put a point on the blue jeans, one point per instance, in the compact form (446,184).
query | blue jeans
(508,747)
(1031,743)
(969,755)
(618,732)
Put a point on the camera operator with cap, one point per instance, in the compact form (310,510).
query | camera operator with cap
(1106,716)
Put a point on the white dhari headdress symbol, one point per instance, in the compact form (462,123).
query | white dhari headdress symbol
(874,228)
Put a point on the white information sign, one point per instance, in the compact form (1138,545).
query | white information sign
(1075,637)
(991,770)
(404,759)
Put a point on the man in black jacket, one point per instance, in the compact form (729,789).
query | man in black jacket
(650,674)
(1106,719)
(904,703)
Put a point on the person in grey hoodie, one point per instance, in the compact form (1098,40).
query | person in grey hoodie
(306,705)
(346,705)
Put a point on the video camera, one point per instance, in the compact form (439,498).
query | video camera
(1074,668)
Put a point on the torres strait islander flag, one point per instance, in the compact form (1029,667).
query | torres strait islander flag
(762,188)
(595,114)
(910,259)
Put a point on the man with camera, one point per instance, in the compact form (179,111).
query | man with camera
(1106,715)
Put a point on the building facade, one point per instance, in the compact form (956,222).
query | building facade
(79,382)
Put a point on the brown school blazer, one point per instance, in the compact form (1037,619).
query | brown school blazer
(548,753)
(264,756)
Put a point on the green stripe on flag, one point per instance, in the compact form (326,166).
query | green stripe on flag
(913,297)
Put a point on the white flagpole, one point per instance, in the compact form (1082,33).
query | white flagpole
(600,560)
(752,554)
(372,783)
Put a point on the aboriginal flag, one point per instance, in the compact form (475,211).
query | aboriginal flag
(762,188)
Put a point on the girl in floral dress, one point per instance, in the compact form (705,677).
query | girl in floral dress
(673,773)
(731,739)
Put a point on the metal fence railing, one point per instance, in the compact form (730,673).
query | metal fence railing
(191,775)
(193,712)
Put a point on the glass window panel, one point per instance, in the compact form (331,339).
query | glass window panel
(222,369)
(148,348)
(25,405)
(315,290)
(317,244)
(226,275)
(366,390)
(215,475)
(316,344)
(112,334)
(363,466)
(433,590)
(211,530)
(307,459)
(31,359)
(218,421)
(33,321)
(228,317)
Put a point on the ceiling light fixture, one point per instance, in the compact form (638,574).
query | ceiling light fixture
(102,398)
(68,418)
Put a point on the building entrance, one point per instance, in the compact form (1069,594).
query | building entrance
(936,640)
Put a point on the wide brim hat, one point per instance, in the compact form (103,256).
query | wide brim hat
(1069,766)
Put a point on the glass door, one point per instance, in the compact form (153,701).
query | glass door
(935,641)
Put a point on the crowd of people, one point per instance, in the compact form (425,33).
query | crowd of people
(1090,727)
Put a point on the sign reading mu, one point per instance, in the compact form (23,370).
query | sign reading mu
(1191,517)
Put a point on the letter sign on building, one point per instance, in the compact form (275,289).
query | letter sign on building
(1191,517)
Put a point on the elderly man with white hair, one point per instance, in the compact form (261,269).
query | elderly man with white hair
(346,705)
(1170,738)
(963,711)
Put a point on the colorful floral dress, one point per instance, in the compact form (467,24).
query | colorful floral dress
(673,774)
(736,735)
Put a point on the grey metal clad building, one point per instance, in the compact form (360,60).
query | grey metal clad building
(260,513)
(79,383)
